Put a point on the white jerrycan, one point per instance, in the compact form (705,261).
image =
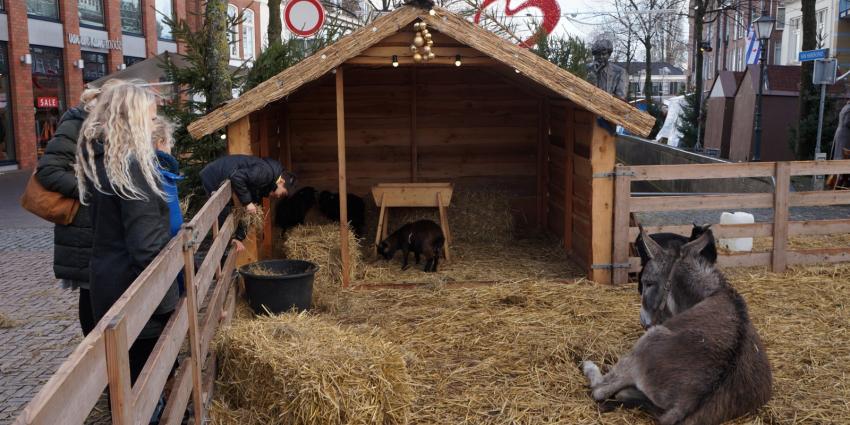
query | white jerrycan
(737,244)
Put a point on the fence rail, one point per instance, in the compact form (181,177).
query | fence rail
(101,359)
(780,200)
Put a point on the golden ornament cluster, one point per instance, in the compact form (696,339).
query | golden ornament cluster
(422,43)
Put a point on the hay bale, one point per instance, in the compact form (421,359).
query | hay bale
(482,217)
(319,244)
(303,369)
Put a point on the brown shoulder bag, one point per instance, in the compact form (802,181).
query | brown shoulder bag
(51,206)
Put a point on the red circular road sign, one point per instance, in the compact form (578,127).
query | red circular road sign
(304,17)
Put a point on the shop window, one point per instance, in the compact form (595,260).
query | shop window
(7,141)
(48,92)
(94,66)
(248,33)
(131,17)
(2,6)
(43,9)
(91,12)
(164,8)
(233,33)
(132,60)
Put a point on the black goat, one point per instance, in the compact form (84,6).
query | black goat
(329,207)
(423,237)
(291,211)
(675,241)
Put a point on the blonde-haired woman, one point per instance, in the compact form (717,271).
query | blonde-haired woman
(117,170)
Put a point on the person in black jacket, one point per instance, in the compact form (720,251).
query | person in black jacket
(129,213)
(252,179)
(72,242)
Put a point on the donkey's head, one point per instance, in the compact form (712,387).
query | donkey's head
(675,278)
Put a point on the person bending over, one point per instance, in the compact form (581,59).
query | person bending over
(252,179)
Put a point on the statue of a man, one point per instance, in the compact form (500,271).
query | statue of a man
(605,75)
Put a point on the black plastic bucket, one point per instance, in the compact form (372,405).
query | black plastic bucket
(279,285)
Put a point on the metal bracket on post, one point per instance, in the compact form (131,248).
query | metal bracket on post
(191,239)
(609,266)
(609,174)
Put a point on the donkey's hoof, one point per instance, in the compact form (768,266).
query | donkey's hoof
(589,368)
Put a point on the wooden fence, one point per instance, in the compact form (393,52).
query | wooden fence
(780,200)
(101,358)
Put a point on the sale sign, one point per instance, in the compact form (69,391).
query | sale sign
(549,8)
(47,102)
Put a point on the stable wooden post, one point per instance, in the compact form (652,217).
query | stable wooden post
(343,190)
(194,336)
(118,371)
(239,142)
(779,258)
(622,188)
(602,160)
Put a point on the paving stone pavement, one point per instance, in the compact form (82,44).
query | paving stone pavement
(46,329)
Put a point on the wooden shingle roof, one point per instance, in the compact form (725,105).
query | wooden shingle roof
(526,62)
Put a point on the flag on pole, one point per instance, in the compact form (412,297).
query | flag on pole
(753,47)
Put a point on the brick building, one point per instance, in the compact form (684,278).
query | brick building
(49,49)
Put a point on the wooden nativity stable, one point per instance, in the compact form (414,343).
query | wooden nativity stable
(349,117)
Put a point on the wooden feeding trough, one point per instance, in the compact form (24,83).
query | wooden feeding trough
(483,113)
(412,195)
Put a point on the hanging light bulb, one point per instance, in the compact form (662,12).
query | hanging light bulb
(432,12)
(517,71)
(457,60)
(395,61)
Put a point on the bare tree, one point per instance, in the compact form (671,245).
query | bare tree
(650,19)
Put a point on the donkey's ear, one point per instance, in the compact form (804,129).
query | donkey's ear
(653,249)
(693,248)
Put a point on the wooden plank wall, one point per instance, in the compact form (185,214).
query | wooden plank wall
(469,124)
(570,133)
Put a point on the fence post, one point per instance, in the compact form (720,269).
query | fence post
(622,193)
(780,216)
(194,337)
(118,371)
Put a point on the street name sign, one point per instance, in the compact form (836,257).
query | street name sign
(810,55)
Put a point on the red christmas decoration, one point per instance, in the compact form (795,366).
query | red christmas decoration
(551,15)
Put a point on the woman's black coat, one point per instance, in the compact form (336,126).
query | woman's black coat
(71,243)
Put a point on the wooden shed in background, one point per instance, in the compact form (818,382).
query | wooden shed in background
(347,117)
(720,111)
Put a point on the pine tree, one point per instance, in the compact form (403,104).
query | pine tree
(198,90)
(278,57)
(570,53)
(689,122)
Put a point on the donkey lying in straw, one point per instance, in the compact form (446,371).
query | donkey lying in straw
(701,360)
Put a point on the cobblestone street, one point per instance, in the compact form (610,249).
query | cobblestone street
(45,327)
